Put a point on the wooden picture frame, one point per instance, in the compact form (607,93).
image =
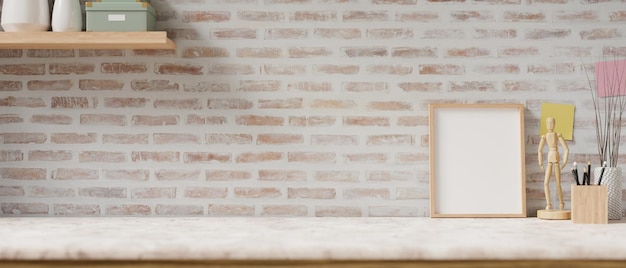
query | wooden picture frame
(477,166)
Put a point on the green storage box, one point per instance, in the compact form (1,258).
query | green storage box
(120,16)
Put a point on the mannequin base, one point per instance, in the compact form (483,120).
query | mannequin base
(553,214)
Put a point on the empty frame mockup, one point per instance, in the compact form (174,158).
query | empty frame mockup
(477,160)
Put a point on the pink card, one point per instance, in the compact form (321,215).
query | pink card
(611,78)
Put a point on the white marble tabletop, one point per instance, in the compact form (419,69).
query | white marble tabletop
(105,238)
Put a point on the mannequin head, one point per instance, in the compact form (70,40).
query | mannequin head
(550,123)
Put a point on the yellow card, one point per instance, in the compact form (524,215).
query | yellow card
(563,115)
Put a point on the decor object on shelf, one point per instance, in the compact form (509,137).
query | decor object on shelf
(589,204)
(608,94)
(552,139)
(67,16)
(120,16)
(477,160)
(25,16)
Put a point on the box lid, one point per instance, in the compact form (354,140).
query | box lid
(120,6)
(127,1)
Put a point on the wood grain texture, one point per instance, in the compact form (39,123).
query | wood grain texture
(590,204)
(86,40)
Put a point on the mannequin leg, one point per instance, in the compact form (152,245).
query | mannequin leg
(546,186)
(559,191)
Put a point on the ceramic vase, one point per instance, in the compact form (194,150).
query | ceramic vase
(25,16)
(612,178)
(67,16)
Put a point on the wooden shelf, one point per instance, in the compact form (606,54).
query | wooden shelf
(86,40)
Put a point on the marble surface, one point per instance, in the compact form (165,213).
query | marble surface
(307,239)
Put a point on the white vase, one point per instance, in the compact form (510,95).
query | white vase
(612,178)
(25,16)
(67,16)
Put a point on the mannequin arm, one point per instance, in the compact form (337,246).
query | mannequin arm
(542,143)
(565,151)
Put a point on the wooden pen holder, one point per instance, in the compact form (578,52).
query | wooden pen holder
(590,204)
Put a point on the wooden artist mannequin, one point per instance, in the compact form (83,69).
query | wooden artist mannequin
(553,139)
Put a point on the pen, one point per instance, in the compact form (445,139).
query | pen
(575,173)
(585,178)
(588,172)
(602,173)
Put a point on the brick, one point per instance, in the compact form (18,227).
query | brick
(23,69)
(227,175)
(365,16)
(257,192)
(227,104)
(228,138)
(337,176)
(103,119)
(178,69)
(286,33)
(123,68)
(333,104)
(11,53)
(50,53)
(10,119)
(480,86)
(525,86)
(183,33)
(444,34)
(71,68)
(390,106)
(52,85)
(259,86)
(123,174)
(353,52)
(366,193)
(73,138)
(144,156)
(472,15)
(153,193)
(231,69)
(393,211)
(309,52)
(412,158)
(255,120)
(441,69)
(24,209)
(179,210)
(205,16)
(339,140)
(125,102)
(390,69)
(576,16)
(390,33)
(593,34)
(617,16)
(154,85)
(37,191)
(177,175)
(149,120)
(50,155)
(23,138)
(100,52)
(75,174)
(11,155)
(8,85)
(333,33)
(128,210)
(175,138)
(311,193)
(468,52)
(518,51)
(283,69)
(549,33)
(495,34)
(371,158)
(197,120)
(261,15)
(22,102)
(383,175)
(284,210)
(421,86)
(155,52)
(11,191)
(201,157)
(404,193)
(125,138)
(100,156)
(365,86)
(390,139)
(304,16)
(414,52)
(70,102)
(292,103)
(280,139)
(338,211)
(51,119)
(179,104)
(335,69)
(206,192)
(366,121)
(311,157)
(282,175)
(515,16)
(412,121)
(103,192)
(75,210)
(234,34)
(231,210)
(259,157)
(315,121)
(205,52)
(417,16)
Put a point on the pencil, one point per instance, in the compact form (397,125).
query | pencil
(601,173)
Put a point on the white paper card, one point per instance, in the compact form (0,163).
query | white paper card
(117,17)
